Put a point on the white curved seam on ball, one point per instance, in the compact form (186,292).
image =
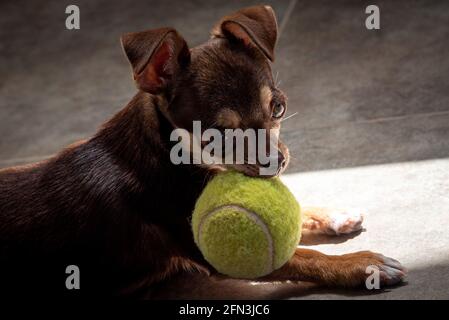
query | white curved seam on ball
(254,217)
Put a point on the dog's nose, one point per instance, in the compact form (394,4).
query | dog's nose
(281,162)
(279,159)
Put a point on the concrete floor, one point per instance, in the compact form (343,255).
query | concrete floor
(373,106)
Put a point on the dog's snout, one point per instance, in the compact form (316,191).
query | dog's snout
(278,159)
(281,159)
(281,162)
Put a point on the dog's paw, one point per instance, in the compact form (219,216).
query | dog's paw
(363,264)
(344,222)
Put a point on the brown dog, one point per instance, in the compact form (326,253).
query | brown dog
(119,209)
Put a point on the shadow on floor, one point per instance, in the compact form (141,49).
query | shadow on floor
(422,283)
(312,240)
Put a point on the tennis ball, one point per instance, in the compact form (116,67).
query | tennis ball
(246,227)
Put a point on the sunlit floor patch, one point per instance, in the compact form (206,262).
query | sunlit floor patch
(406,208)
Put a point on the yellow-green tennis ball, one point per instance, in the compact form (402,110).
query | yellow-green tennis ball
(246,227)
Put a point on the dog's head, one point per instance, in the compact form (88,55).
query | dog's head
(226,83)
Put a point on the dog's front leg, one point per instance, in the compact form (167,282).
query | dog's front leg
(349,270)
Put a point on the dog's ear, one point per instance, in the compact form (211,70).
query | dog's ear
(155,56)
(254,26)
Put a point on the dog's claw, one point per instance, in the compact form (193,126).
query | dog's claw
(390,262)
(391,276)
(391,271)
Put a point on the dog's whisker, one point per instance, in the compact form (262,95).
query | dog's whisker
(290,116)
(277,81)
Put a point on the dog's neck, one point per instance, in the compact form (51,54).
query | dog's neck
(139,137)
(137,133)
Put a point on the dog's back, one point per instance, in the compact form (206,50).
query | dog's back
(100,206)
(40,220)
(21,203)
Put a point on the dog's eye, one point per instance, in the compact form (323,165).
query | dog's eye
(278,110)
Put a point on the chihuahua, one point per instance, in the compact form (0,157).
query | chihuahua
(117,208)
